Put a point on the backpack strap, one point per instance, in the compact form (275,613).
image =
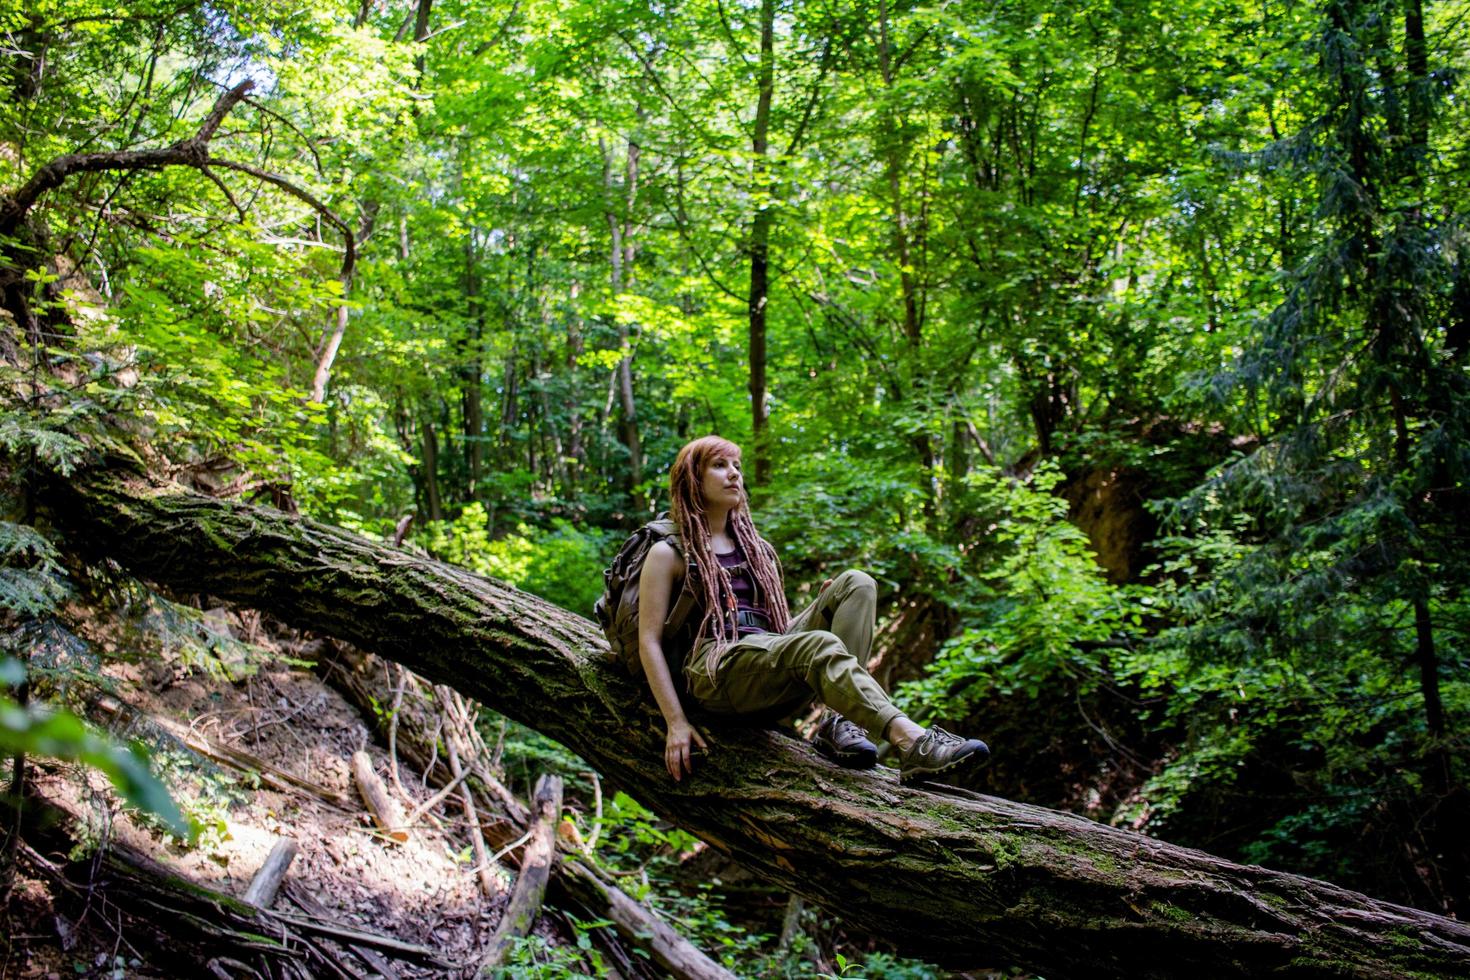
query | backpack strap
(667,531)
(683,606)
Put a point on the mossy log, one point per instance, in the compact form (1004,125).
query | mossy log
(965,881)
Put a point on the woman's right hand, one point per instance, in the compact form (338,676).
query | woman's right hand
(679,749)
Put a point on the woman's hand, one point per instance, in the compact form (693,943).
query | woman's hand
(679,749)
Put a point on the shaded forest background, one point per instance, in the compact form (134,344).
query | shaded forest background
(1124,344)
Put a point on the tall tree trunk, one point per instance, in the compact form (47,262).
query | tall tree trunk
(958,878)
(619,253)
(431,472)
(575,452)
(556,469)
(420,34)
(895,156)
(1448,806)
(1449,803)
(472,406)
(1416,59)
(760,243)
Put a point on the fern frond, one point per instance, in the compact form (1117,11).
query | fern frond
(25,541)
(28,593)
(20,432)
(32,581)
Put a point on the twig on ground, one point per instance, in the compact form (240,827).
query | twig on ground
(484,869)
(436,799)
(384,808)
(393,710)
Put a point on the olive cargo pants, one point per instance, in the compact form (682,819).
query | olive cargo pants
(821,655)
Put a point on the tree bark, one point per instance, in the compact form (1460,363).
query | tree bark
(961,879)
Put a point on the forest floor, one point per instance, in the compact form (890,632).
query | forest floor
(423,891)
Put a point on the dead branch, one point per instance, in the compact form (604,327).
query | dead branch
(354,674)
(276,778)
(267,881)
(530,890)
(384,809)
(484,865)
(180,920)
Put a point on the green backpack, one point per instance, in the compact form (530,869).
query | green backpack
(617,609)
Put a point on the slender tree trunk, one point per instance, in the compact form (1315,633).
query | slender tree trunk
(895,156)
(960,879)
(617,256)
(472,406)
(431,472)
(575,452)
(760,244)
(557,464)
(1416,58)
(1449,803)
(1448,806)
(420,34)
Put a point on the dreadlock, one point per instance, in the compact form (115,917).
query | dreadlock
(710,582)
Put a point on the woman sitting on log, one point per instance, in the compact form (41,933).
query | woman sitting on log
(748,656)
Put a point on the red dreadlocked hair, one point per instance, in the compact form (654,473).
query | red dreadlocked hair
(710,582)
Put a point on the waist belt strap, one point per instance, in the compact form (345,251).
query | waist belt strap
(752,619)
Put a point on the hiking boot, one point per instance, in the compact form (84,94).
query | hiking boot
(844,743)
(938,751)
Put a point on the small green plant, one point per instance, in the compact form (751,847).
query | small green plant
(206,794)
(1046,613)
(534,958)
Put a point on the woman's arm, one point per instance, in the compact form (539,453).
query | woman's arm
(655,589)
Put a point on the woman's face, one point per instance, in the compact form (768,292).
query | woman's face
(721,483)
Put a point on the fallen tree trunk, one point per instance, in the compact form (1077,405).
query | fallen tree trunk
(962,880)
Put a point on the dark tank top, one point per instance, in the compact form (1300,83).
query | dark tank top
(746,595)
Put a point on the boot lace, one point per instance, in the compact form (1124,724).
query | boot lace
(842,730)
(939,737)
